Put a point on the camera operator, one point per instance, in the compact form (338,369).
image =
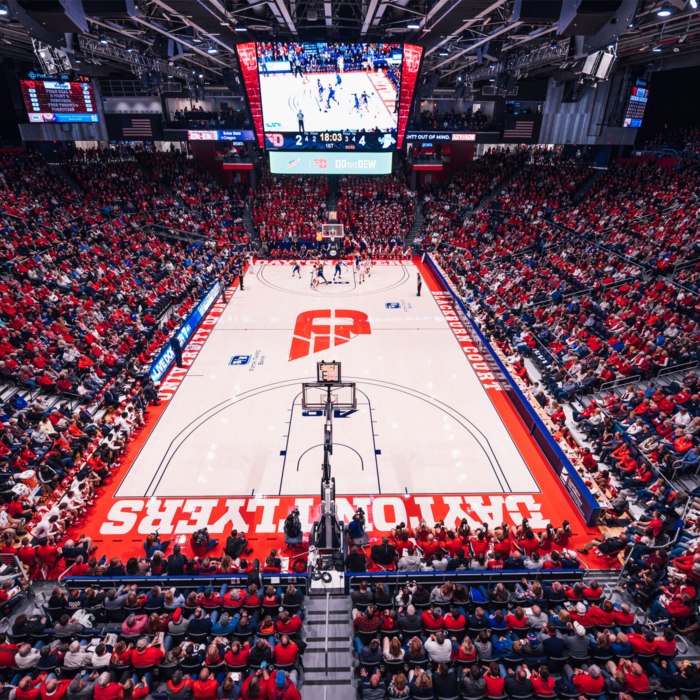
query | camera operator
(356,528)
(236,545)
(293,534)
(201,542)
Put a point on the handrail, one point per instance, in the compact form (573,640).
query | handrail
(614,383)
(677,368)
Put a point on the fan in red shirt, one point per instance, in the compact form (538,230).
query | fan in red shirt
(666,644)
(516,620)
(494,682)
(636,680)
(454,620)
(238,654)
(148,654)
(285,652)
(603,616)
(53,689)
(432,621)
(29,689)
(205,687)
(288,624)
(542,682)
(591,682)
(592,591)
(259,682)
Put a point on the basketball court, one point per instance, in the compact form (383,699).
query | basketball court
(431,436)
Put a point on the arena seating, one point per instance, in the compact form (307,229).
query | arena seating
(290,208)
(89,297)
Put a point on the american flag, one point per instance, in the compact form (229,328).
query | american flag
(136,128)
(518,130)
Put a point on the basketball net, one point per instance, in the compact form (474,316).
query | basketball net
(332,231)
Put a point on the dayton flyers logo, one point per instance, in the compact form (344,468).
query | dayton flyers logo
(334,327)
(322,163)
(411,57)
(246,52)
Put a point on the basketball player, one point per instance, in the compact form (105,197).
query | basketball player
(320,275)
(338,81)
(331,96)
(360,268)
(365,99)
(296,269)
(338,270)
(368,267)
(320,89)
(314,281)
(357,103)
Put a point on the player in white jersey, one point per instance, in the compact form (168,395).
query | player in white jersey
(296,269)
(360,270)
(314,279)
(368,267)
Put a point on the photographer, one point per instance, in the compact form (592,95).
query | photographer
(201,543)
(293,534)
(236,545)
(356,528)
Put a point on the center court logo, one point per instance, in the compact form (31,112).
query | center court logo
(316,331)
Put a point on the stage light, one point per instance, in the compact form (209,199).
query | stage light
(664,12)
(240,28)
(413,25)
(3,10)
(103,38)
(212,49)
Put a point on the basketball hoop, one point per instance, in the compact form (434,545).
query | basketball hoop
(332,232)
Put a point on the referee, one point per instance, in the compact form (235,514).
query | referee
(300,117)
(420,282)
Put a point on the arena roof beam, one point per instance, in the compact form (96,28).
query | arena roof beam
(287,17)
(481,42)
(465,25)
(369,15)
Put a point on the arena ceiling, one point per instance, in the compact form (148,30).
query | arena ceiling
(463,39)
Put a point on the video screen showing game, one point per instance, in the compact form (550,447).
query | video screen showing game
(639,96)
(329,95)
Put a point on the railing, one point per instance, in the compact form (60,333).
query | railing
(478,578)
(677,368)
(614,383)
(301,581)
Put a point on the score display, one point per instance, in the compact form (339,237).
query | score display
(637,104)
(329,96)
(59,101)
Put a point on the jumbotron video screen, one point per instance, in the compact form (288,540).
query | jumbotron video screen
(330,96)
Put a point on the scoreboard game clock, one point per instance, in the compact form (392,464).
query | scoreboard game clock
(328,372)
(330,141)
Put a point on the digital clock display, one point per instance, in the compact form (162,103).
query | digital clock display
(330,141)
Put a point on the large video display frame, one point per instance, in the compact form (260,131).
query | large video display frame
(330,96)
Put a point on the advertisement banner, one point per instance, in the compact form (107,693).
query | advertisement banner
(558,461)
(229,135)
(166,357)
(289,163)
(440,136)
(409,74)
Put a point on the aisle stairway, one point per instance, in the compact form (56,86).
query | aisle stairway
(417,224)
(60,172)
(328,669)
(248,223)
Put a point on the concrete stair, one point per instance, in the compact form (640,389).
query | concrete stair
(328,671)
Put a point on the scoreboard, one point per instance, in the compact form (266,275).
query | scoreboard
(59,101)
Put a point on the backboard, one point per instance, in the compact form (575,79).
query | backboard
(343,396)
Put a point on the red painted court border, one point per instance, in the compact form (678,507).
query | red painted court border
(119,526)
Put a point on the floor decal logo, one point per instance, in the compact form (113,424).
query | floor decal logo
(239,360)
(316,331)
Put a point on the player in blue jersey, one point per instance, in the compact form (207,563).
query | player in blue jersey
(320,275)
(320,89)
(296,269)
(338,269)
(365,99)
(338,80)
(331,96)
